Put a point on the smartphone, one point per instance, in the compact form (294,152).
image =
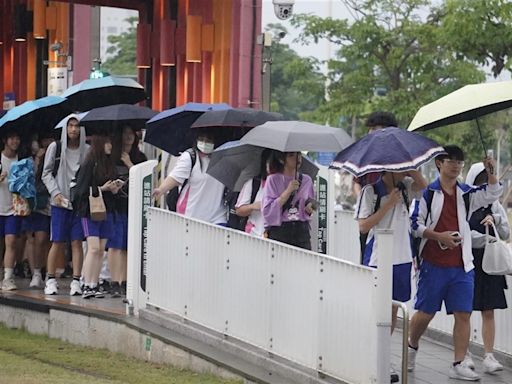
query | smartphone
(458,242)
(119,182)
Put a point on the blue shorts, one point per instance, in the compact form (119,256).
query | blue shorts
(453,285)
(36,222)
(102,229)
(401,282)
(10,225)
(119,238)
(65,225)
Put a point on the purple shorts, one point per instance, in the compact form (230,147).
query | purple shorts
(36,222)
(65,225)
(119,238)
(10,225)
(102,229)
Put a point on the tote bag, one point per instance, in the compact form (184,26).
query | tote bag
(497,259)
(97,209)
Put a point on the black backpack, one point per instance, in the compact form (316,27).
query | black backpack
(230,199)
(173,195)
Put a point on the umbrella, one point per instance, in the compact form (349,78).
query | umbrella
(235,117)
(107,119)
(61,124)
(234,163)
(389,149)
(467,103)
(295,136)
(35,115)
(110,90)
(170,129)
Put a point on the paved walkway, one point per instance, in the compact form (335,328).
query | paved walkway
(433,361)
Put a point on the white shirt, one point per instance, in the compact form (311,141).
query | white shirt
(396,219)
(6,208)
(255,223)
(202,197)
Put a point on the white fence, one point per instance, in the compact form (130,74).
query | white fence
(290,302)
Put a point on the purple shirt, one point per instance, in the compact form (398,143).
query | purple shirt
(273,212)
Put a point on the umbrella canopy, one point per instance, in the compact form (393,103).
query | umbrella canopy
(107,119)
(466,103)
(389,149)
(61,124)
(110,90)
(235,117)
(35,115)
(170,129)
(234,163)
(295,136)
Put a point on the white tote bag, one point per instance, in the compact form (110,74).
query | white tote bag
(497,259)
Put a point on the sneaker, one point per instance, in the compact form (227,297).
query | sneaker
(74,288)
(51,287)
(491,365)
(463,372)
(36,281)
(87,292)
(9,285)
(98,293)
(394,378)
(115,290)
(468,361)
(411,358)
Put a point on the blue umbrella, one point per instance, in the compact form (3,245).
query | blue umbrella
(170,129)
(109,90)
(35,115)
(389,149)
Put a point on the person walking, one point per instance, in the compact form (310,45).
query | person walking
(288,200)
(61,162)
(489,293)
(446,274)
(10,225)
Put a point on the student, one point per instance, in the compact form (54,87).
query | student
(10,225)
(201,196)
(288,200)
(61,162)
(97,173)
(489,293)
(446,272)
(126,151)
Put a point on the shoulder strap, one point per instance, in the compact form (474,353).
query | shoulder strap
(256,183)
(58,155)
(466,203)
(193,159)
(430,197)
(377,202)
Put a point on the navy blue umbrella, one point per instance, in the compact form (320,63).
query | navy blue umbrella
(35,115)
(390,149)
(170,129)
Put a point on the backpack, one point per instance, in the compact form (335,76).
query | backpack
(230,199)
(58,155)
(173,195)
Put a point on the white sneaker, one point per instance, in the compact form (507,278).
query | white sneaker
(74,288)
(468,361)
(411,358)
(36,282)
(463,372)
(9,284)
(491,365)
(51,287)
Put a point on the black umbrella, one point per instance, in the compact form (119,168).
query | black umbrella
(235,118)
(110,90)
(108,119)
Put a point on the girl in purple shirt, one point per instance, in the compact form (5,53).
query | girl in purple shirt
(288,200)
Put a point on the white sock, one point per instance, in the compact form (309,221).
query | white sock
(37,271)
(9,272)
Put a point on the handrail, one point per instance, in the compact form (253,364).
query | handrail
(405,339)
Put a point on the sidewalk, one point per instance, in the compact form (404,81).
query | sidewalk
(433,361)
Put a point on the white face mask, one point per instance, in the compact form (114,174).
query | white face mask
(205,147)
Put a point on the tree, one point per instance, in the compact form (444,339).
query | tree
(124,50)
(297,85)
(389,58)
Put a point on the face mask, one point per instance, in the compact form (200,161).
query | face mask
(205,147)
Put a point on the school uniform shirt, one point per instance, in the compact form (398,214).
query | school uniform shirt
(202,197)
(396,219)
(255,223)
(6,207)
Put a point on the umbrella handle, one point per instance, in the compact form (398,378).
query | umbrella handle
(491,168)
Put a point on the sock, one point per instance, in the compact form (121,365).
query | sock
(50,276)
(37,271)
(8,274)
(456,363)
(410,346)
(77,278)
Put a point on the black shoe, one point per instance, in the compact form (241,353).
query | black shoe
(123,288)
(115,290)
(394,377)
(87,292)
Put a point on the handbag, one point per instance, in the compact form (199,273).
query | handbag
(497,258)
(97,209)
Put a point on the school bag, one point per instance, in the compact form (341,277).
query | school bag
(230,199)
(173,195)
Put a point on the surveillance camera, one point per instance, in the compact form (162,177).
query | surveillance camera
(283,8)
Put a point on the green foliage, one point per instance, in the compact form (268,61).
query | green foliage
(124,51)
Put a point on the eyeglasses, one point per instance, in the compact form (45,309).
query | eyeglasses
(458,163)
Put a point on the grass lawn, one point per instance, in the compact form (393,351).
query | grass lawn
(30,359)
